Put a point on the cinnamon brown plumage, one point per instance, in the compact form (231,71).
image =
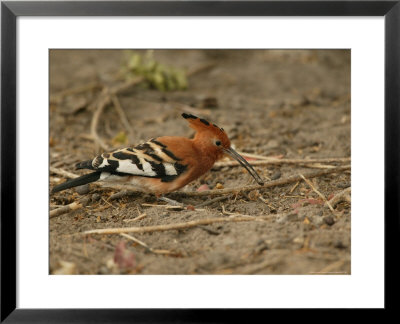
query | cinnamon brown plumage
(162,164)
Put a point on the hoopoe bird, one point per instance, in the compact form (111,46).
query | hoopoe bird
(162,164)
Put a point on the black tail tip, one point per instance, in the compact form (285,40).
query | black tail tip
(187,116)
(54,190)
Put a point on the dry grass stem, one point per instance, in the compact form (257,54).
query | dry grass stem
(63,173)
(65,209)
(124,120)
(273,183)
(95,120)
(269,161)
(211,201)
(294,187)
(319,166)
(156,251)
(266,202)
(178,226)
(318,193)
(329,269)
(255,156)
(141,216)
(121,194)
(228,213)
(75,90)
(109,95)
(344,195)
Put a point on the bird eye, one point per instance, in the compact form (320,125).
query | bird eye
(218,143)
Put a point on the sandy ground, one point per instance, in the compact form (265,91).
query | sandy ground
(284,104)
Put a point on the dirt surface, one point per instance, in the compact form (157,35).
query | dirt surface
(285,104)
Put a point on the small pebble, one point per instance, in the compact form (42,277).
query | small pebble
(287,218)
(262,247)
(292,217)
(272,144)
(103,270)
(329,220)
(96,197)
(276,175)
(219,186)
(83,190)
(298,240)
(84,201)
(318,221)
(339,245)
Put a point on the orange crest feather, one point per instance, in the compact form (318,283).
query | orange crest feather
(200,124)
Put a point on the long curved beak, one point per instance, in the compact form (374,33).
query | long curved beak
(244,164)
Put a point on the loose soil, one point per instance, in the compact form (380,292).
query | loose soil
(288,104)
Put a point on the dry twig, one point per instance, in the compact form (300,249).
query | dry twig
(95,120)
(141,216)
(211,201)
(272,161)
(318,193)
(63,173)
(122,116)
(155,251)
(177,226)
(344,195)
(65,209)
(103,101)
(269,184)
(79,89)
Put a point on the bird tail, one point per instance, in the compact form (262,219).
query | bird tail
(87,178)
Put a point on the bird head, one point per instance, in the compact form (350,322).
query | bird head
(215,142)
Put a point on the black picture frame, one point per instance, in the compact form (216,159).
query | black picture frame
(10,10)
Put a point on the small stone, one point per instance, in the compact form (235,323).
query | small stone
(103,270)
(219,186)
(292,217)
(276,175)
(84,201)
(318,221)
(83,190)
(339,245)
(298,240)
(287,218)
(96,197)
(65,268)
(262,247)
(329,220)
(272,144)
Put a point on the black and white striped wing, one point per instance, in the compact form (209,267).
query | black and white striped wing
(151,159)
